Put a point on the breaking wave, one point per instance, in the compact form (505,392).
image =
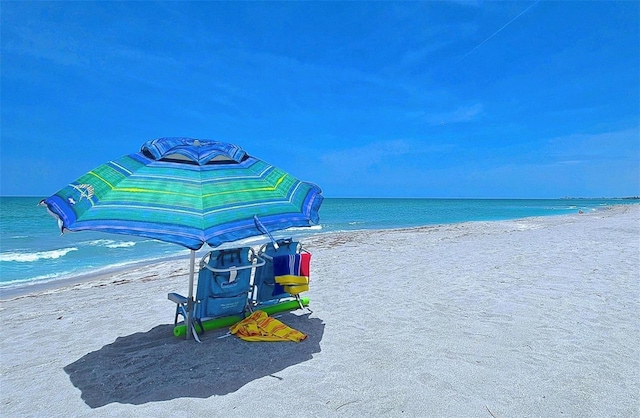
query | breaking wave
(35,256)
(305,228)
(111,243)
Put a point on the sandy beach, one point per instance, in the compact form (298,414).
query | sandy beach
(535,317)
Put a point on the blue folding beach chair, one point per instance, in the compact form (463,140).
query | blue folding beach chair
(267,289)
(224,286)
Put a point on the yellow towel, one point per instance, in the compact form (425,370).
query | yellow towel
(296,290)
(293,285)
(292,280)
(260,327)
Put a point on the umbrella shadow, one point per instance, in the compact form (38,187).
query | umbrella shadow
(156,366)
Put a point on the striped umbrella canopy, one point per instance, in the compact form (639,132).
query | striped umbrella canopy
(189,192)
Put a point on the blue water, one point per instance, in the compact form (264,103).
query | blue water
(33,250)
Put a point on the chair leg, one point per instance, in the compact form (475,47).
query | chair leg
(249,305)
(195,333)
(299,300)
(175,320)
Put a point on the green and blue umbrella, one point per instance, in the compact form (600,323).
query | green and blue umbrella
(188,192)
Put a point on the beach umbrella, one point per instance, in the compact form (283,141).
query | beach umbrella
(188,192)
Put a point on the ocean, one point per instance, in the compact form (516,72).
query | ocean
(32,249)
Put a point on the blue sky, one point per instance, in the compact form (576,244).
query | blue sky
(366,99)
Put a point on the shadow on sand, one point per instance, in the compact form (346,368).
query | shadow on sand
(156,366)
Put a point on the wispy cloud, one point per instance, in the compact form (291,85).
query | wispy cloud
(361,159)
(468,3)
(623,145)
(462,114)
(601,164)
(419,56)
(379,168)
(393,161)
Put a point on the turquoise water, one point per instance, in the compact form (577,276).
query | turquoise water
(32,248)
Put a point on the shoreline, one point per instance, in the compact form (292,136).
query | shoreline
(10,292)
(26,288)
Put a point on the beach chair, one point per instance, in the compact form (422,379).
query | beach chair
(223,289)
(271,286)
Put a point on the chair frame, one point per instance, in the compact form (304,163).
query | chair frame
(254,299)
(182,302)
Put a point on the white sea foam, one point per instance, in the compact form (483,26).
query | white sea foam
(249,240)
(305,228)
(98,242)
(45,278)
(35,256)
(121,244)
(109,243)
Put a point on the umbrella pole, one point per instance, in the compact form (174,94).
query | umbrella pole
(192,262)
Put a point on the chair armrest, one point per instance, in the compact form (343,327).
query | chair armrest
(179,299)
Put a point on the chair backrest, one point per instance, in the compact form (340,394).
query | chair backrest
(224,282)
(266,288)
